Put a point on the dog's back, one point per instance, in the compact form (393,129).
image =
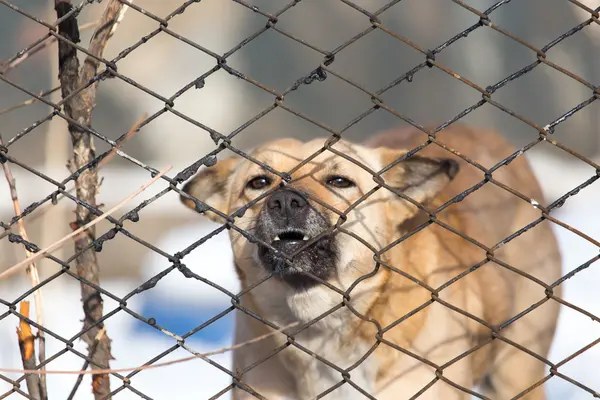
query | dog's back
(512,269)
(485,148)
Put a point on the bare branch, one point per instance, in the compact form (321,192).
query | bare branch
(27,348)
(33,275)
(79,106)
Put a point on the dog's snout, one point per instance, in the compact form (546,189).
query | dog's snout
(285,203)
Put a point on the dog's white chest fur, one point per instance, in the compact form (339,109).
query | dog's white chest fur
(315,376)
(324,342)
(328,338)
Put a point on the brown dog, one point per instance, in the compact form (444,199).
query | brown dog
(398,324)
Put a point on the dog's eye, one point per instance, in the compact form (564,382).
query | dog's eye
(340,182)
(260,182)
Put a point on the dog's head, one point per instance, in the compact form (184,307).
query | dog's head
(326,217)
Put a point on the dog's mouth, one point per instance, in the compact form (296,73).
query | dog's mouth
(291,237)
(291,242)
(307,254)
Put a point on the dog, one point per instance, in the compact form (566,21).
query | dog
(392,300)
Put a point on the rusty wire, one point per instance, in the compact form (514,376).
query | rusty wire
(223,141)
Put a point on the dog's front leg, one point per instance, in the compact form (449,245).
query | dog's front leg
(315,378)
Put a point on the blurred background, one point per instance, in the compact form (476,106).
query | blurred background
(224,102)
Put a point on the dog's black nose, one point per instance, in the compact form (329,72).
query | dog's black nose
(286,203)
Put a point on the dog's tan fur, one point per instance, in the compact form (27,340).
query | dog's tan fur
(438,332)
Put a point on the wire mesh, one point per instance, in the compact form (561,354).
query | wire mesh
(224,141)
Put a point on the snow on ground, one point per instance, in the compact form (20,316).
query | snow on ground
(180,304)
(574,329)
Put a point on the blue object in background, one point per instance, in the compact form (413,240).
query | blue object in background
(181,318)
(180,303)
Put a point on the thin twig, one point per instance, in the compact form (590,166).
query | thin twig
(27,348)
(5,67)
(32,273)
(5,233)
(132,131)
(29,101)
(59,243)
(151,366)
(79,105)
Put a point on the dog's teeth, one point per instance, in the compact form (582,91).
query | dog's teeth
(276,238)
(305,238)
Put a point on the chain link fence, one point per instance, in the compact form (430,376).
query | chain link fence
(82,73)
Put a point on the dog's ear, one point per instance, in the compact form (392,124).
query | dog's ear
(418,177)
(211,186)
